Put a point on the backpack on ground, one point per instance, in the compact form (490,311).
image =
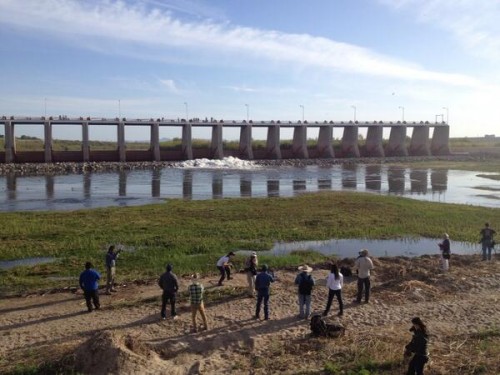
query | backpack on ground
(320,328)
(306,284)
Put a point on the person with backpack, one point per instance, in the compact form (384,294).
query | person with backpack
(363,265)
(487,241)
(305,282)
(251,265)
(334,282)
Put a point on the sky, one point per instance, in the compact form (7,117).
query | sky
(424,60)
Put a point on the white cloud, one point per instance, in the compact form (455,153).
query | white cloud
(169,84)
(109,22)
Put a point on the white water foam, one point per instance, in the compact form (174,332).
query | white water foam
(228,162)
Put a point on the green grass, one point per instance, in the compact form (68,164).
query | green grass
(193,234)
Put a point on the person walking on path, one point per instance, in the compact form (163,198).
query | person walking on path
(334,282)
(170,285)
(89,282)
(111,257)
(224,266)
(262,284)
(363,265)
(305,282)
(445,252)
(196,290)
(487,241)
(251,265)
(417,347)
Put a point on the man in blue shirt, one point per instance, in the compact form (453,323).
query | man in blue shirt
(90,286)
(262,283)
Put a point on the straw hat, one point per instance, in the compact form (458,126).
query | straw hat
(305,268)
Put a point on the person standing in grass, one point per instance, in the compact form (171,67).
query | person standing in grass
(89,282)
(417,347)
(196,299)
(334,282)
(363,265)
(170,285)
(111,257)
(224,267)
(262,284)
(305,283)
(251,265)
(487,241)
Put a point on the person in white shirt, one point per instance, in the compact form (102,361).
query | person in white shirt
(224,267)
(334,282)
(363,265)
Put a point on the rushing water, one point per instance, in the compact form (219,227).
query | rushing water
(199,180)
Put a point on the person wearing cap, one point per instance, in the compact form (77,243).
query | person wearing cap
(445,252)
(170,285)
(262,284)
(251,265)
(224,267)
(363,265)
(417,347)
(196,290)
(111,257)
(334,282)
(305,283)
(487,241)
(89,282)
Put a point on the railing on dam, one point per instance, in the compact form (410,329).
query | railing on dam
(420,144)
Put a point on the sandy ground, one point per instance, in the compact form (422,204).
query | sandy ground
(127,335)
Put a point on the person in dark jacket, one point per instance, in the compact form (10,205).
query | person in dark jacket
(445,252)
(262,283)
(417,347)
(170,285)
(89,282)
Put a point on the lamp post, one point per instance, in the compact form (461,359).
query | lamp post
(354,107)
(248,111)
(402,112)
(301,106)
(447,113)
(187,113)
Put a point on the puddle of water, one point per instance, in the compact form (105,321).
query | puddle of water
(349,248)
(7,264)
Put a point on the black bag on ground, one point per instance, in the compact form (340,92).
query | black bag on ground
(320,328)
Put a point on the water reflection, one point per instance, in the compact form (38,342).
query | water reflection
(133,187)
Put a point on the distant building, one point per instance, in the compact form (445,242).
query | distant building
(489,136)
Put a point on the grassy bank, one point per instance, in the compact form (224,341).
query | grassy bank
(193,234)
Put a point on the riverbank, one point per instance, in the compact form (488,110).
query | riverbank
(53,333)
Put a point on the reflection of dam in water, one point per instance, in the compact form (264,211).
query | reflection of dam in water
(135,187)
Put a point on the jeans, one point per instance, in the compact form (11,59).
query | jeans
(110,278)
(167,296)
(304,300)
(416,365)
(194,310)
(487,250)
(223,272)
(363,284)
(332,293)
(92,296)
(262,295)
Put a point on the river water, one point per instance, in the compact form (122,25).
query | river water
(227,179)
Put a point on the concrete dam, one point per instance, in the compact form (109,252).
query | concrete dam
(420,144)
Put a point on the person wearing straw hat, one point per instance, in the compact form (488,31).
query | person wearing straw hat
(196,299)
(363,265)
(251,265)
(305,283)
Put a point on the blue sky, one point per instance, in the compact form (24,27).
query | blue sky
(159,58)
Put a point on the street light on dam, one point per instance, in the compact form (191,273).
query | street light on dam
(354,107)
(402,112)
(301,106)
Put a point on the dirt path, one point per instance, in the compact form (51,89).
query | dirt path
(53,323)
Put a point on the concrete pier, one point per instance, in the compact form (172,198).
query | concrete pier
(397,142)
(47,132)
(245,148)
(10,144)
(419,145)
(187,142)
(273,142)
(299,143)
(374,138)
(85,142)
(122,150)
(216,149)
(440,144)
(325,139)
(349,146)
(155,141)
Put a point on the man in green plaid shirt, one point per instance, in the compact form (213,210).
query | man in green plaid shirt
(196,298)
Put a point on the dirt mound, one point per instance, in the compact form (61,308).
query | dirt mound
(109,352)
